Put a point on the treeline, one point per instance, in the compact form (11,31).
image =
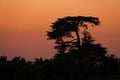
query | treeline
(60,68)
(78,58)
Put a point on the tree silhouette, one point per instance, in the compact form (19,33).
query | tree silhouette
(91,50)
(66,27)
(84,59)
(3,59)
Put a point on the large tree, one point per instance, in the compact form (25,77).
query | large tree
(65,27)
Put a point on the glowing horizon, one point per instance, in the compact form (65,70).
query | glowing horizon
(23,24)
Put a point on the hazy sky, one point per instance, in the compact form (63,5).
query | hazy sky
(23,24)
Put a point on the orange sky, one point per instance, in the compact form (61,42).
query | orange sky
(23,24)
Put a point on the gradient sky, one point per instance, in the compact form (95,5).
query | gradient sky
(23,24)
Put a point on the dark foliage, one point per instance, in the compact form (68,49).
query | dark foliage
(83,60)
(65,28)
(62,68)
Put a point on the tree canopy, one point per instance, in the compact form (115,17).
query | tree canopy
(65,27)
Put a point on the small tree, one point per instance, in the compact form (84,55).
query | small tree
(64,27)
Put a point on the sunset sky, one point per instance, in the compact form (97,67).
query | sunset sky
(23,24)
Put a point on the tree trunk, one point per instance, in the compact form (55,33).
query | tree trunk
(78,39)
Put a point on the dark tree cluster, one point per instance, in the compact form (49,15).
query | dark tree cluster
(62,68)
(77,57)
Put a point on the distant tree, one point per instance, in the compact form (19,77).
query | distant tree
(38,60)
(18,61)
(66,27)
(3,59)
